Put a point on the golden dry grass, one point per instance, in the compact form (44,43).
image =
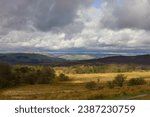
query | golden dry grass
(103,77)
(75,88)
(65,91)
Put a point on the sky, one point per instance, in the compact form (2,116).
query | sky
(56,25)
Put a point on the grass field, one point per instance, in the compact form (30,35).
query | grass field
(75,88)
(73,91)
(103,77)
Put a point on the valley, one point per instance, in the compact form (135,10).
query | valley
(50,78)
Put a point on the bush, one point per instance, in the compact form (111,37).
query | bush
(45,75)
(110,84)
(29,78)
(7,78)
(23,69)
(136,81)
(17,75)
(119,80)
(63,77)
(35,75)
(91,85)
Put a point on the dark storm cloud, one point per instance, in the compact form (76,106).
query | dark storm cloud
(127,14)
(38,14)
(38,25)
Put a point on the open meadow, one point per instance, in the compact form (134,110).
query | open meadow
(104,77)
(76,88)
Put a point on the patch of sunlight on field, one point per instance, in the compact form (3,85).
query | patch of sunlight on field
(103,77)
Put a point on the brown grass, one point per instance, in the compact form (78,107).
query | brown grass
(75,88)
(103,77)
(71,91)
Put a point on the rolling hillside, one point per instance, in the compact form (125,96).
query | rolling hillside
(140,59)
(28,58)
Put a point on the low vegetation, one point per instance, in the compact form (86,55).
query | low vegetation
(7,77)
(136,81)
(119,80)
(23,74)
(63,77)
(91,85)
(104,68)
(44,82)
(110,84)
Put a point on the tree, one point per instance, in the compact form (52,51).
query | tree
(45,75)
(7,78)
(63,77)
(119,80)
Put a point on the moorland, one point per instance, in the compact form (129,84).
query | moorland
(35,76)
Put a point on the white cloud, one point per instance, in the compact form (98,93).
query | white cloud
(113,26)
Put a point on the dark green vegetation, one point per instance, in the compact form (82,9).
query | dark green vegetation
(7,78)
(119,80)
(136,81)
(63,77)
(105,68)
(20,75)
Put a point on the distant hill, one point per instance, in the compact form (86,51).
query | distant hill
(31,58)
(28,58)
(77,57)
(139,59)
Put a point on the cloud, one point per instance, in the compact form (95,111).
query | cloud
(37,25)
(119,14)
(38,14)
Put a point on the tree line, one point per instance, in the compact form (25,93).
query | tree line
(105,68)
(24,74)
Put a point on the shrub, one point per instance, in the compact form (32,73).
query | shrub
(11,76)
(91,85)
(63,77)
(110,84)
(119,80)
(23,69)
(45,75)
(29,78)
(7,78)
(136,81)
